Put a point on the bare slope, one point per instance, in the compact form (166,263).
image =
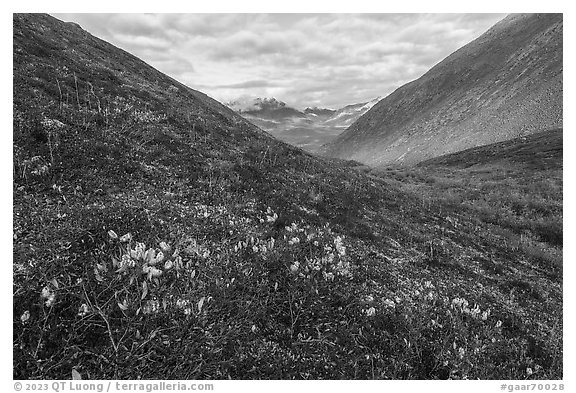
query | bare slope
(504,84)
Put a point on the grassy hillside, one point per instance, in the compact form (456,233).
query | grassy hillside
(539,151)
(514,185)
(158,235)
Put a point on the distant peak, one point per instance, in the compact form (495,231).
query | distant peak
(315,110)
(252,104)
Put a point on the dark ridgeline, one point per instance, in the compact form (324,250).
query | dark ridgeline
(249,258)
(504,84)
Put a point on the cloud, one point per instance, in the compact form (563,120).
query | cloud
(301,59)
(248,84)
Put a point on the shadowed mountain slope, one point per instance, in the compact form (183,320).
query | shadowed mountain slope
(541,151)
(157,234)
(505,84)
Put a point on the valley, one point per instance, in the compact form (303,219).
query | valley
(309,129)
(159,234)
(506,83)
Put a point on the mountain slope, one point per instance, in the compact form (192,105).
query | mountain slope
(504,84)
(541,150)
(347,115)
(158,235)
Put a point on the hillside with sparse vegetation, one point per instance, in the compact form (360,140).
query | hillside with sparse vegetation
(158,235)
(506,83)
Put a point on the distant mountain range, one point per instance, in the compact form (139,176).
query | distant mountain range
(505,84)
(308,129)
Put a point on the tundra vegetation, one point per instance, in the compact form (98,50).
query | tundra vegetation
(157,235)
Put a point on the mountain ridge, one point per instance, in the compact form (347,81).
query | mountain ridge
(507,82)
(307,129)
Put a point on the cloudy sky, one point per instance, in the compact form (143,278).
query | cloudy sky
(327,60)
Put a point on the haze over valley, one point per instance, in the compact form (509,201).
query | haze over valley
(308,129)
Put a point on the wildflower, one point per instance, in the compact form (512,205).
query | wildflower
(294,240)
(159,258)
(138,251)
(460,303)
(475,311)
(369,298)
(255,248)
(329,258)
(164,247)
(181,303)
(83,310)
(126,238)
(112,234)
(150,256)
(498,324)
(397,299)
(529,371)
(49,295)
(294,267)
(151,306)
(25,316)
(153,272)
(485,315)
(315,243)
(342,268)
(461,352)
(168,265)
(270,215)
(184,304)
(389,303)
(328,276)
(339,244)
(125,263)
(371,312)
